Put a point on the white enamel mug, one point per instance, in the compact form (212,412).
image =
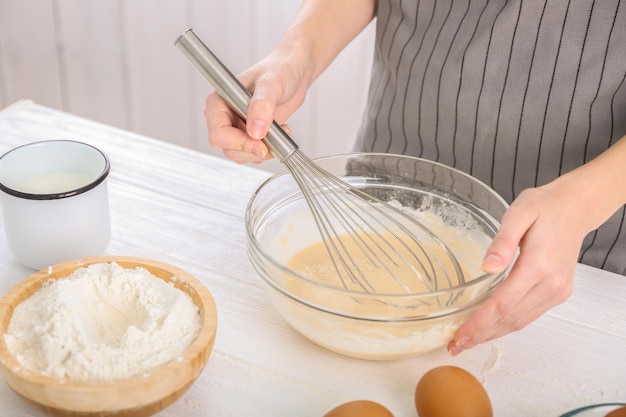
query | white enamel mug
(54,201)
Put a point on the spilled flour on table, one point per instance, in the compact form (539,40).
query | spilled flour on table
(102,322)
(493,360)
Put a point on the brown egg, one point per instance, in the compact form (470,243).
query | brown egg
(620,412)
(449,391)
(360,408)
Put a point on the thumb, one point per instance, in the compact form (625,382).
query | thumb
(503,248)
(261,109)
(499,254)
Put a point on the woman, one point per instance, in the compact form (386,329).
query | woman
(527,96)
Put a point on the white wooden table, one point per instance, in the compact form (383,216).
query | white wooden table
(187,208)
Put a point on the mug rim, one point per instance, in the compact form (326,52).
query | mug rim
(64,194)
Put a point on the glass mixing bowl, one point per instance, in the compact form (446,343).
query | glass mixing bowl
(366,325)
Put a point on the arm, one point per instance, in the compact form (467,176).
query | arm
(279,82)
(548,224)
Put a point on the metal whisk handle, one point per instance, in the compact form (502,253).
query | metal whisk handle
(230,89)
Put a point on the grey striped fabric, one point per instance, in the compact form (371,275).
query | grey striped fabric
(514,93)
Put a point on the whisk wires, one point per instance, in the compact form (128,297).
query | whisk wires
(372,246)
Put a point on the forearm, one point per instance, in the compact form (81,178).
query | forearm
(322,29)
(599,186)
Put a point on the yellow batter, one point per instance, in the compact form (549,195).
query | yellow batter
(367,339)
(387,265)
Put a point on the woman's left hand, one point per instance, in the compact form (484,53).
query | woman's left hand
(547,226)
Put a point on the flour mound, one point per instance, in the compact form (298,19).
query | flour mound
(102,322)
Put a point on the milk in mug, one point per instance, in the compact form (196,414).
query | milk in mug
(53,182)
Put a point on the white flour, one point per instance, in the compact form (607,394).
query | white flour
(102,322)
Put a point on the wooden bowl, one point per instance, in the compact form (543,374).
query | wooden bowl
(134,396)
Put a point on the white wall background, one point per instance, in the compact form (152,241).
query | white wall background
(114,61)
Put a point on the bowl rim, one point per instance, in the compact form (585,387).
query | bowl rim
(197,352)
(259,248)
(572,413)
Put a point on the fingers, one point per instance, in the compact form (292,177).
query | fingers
(226,131)
(278,87)
(512,307)
(243,142)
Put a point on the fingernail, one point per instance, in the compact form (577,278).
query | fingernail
(260,151)
(287,129)
(455,350)
(492,261)
(459,345)
(258,129)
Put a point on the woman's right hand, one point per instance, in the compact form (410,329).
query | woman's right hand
(278,83)
(278,88)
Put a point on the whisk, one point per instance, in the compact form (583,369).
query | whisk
(373,247)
